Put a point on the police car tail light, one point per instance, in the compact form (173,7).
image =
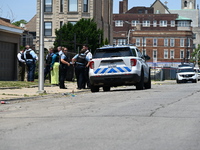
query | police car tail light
(92,64)
(133,62)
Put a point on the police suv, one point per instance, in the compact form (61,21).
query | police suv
(186,73)
(113,66)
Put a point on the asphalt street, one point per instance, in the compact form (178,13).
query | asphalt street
(165,117)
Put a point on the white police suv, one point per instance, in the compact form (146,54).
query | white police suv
(113,66)
(185,74)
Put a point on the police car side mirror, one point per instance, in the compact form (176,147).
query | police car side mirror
(146,57)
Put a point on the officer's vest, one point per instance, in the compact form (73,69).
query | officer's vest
(28,55)
(64,66)
(81,59)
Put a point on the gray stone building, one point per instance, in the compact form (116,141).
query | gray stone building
(58,12)
(190,10)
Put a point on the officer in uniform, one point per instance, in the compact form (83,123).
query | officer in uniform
(64,64)
(21,65)
(82,61)
(30,58)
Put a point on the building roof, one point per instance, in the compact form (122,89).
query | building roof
(31,25)
(7,26)
(183,18)
(164,6)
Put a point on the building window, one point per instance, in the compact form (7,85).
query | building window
(118,23)
(172,54)
(163,23)
(173,23)
(85,5)
(61,24)
(146,23)
(182,42)
(121,41)
(135,22)
(61,5)
(183,23)
(188,54)
(165,54)
(172,42)
(144,52)
(144,43)
(138,42)
(48,28)
(155,23)
(155,42)
(73,5)
(181,54)
(155,54)
(48,6)
(73,22)
(166,42)
(188,42)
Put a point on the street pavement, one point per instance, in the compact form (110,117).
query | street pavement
(11,94)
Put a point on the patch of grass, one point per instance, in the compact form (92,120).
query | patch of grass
(20,84)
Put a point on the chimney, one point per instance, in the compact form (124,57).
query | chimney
(123,6)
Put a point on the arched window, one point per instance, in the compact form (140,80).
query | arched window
(185,4)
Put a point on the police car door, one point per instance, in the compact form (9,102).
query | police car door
(143,62)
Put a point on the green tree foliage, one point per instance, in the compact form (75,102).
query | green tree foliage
(83,32)
(17,23)
(194,54)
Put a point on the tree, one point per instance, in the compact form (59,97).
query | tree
(194,54)
(83,32)
(17,23)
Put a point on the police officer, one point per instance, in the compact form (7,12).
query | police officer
(82,61)
(64,64)
(21,65)
(88,55)
(47,64)
(30,58)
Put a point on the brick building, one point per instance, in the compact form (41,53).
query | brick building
(58,12)
(166,38)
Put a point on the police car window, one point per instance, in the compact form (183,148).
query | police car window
(112,52)
(139,53)
(134,52)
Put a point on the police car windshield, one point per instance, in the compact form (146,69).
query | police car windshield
(112,52)
(186,70)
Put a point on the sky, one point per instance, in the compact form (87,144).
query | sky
(16,10)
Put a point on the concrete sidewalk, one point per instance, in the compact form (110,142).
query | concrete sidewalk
(28,93)
(24,93)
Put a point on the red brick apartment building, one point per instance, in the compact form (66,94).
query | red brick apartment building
(166,38)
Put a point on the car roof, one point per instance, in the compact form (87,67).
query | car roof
(185,67)
(117,46)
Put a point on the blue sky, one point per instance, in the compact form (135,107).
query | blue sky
(16,10)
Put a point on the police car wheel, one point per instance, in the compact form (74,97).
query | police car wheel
(94,88)
(106,88)
(140,85)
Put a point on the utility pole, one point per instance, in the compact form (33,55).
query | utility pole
(41,51)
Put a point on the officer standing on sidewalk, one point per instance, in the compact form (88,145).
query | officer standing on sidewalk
(21,65)
(64,64)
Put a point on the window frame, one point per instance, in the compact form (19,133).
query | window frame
(70,3)
(155,42)
(47,29)
(119,23)
(166,42)
(166,53)
(85,6)
(48,6)
(172,42)
(146,23)
(163,23)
